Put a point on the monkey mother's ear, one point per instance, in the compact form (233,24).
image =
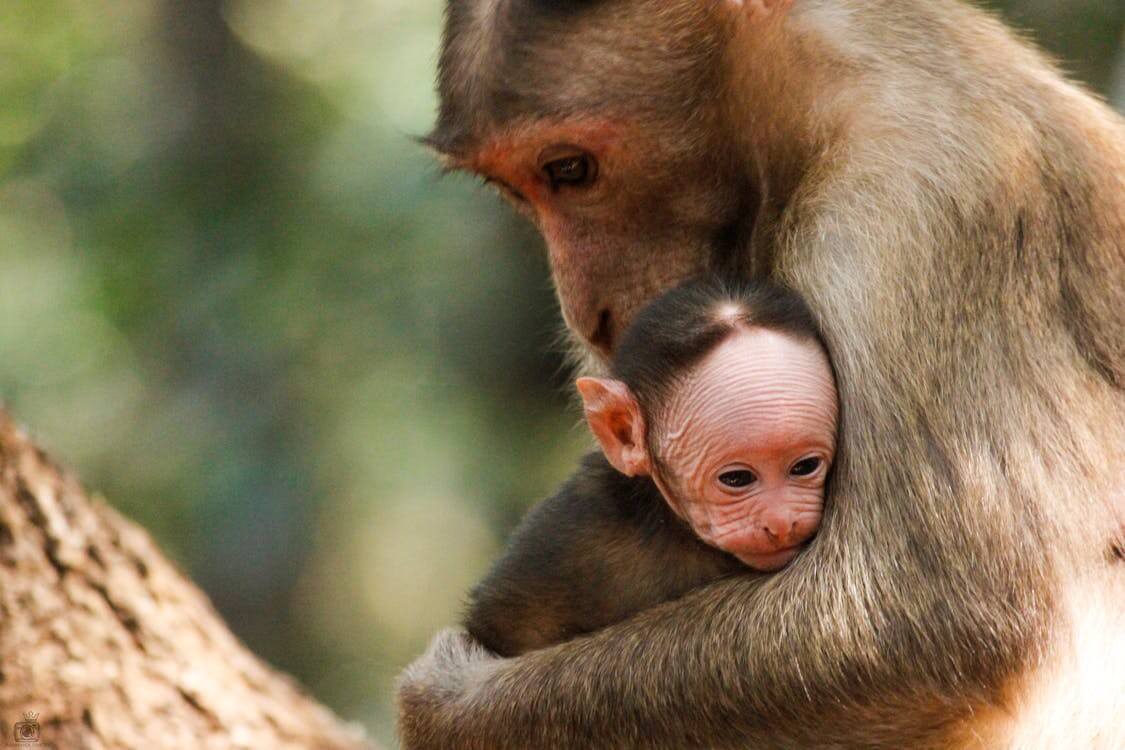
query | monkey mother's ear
(616,420)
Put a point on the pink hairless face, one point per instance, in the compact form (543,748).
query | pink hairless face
(742,447)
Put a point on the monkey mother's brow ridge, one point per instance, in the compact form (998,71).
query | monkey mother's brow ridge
(453,154)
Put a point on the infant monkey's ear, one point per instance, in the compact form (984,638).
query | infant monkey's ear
(616,420)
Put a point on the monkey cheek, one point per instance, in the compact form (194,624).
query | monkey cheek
(604,275)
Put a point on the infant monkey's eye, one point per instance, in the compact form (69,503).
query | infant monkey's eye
(738,478)
(805,466)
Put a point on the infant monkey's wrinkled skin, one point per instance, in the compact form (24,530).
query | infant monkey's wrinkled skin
(743,446)
(718,428)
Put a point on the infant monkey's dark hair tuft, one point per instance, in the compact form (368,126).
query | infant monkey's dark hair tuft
(675,332)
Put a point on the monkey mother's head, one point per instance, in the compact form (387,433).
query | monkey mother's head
(606,123)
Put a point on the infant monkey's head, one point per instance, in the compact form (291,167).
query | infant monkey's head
(724,395)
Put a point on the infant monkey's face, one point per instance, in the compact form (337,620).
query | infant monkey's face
(745,443)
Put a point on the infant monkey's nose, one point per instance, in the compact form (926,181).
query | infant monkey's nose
(780,530)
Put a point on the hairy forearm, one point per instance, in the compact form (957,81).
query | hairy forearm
(774,664)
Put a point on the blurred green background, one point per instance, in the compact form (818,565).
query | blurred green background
(236,296)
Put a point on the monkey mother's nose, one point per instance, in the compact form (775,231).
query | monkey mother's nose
(601,337)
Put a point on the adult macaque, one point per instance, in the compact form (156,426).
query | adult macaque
(722,414)
(953,211)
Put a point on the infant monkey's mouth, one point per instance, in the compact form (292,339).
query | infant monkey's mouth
(788,547)
(781,550)
(771,560)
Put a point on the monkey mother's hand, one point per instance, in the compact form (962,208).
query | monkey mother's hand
(440,684)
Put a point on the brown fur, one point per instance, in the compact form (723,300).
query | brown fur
(603,548)
(954,213)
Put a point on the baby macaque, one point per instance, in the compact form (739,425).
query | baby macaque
(717,428)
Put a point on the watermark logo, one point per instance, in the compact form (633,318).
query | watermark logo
(24,733)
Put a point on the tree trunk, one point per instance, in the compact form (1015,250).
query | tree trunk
(111,647)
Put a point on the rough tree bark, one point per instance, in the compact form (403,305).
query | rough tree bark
(111,646)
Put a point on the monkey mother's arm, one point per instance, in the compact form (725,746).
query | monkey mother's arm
(932,584)
(887,627)
(602,549)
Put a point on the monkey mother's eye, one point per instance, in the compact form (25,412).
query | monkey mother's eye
(738,478)
(568,167)
(805,467)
